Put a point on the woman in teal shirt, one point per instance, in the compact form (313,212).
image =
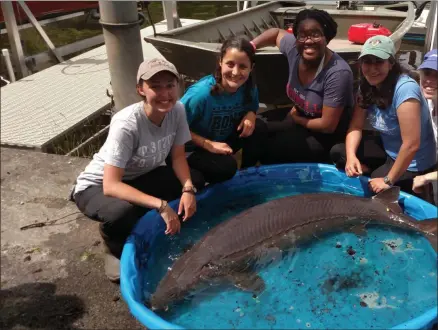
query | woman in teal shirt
(221,112)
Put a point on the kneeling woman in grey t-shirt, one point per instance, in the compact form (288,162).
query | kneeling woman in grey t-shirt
(129,176)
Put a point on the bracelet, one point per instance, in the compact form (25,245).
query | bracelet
(162,206)
(253,45)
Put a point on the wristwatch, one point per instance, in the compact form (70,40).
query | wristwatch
(190,189)
(162,206)
(387,181)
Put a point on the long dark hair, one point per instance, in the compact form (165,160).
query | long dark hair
(382,96)
(242,45)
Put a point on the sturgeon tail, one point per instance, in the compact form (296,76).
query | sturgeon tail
(429,227)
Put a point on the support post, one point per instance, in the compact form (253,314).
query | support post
(14,38)
(431,22)
(121,32)
(171,15)
(249,4)
(40,30)
(8,64)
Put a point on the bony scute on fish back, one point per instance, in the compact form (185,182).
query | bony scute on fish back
(282,223)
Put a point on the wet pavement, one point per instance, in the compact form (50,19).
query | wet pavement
(51,274)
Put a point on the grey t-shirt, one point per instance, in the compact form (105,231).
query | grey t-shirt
(136,144)
(332,87)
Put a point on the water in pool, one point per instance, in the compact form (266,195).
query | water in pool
(379,280)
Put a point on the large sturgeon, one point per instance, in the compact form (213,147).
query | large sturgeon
(228,251)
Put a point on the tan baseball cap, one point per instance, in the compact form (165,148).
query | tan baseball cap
(152,66)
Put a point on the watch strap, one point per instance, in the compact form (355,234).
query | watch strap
(189,189)
(387,181)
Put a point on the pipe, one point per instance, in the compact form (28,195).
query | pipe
(121,32)
(8,63)
(14,38)
(431,22)
(89,140)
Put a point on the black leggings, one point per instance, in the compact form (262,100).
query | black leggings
(371,153)
(218,168)
(118,217)
(296,144)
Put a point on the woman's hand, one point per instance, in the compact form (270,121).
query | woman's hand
(377,185)
(218,147)
(294,114)
(187,204)
(353,167)
(173,225)
(419,182)
(247,124)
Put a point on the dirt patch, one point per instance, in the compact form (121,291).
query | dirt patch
(50,202)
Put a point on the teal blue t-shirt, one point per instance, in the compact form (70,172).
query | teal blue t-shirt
(216,117)
(386,122)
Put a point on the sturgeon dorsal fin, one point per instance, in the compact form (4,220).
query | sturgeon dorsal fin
(389,197)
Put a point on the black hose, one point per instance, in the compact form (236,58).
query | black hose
(141,19)
(420,8)
(150,18)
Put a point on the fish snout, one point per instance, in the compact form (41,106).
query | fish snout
(156,304)
(156,308)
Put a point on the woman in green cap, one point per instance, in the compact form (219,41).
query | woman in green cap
(395,107)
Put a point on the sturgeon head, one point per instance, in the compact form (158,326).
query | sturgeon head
(188,274)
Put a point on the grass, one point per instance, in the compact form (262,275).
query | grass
(68,31)
(68,142)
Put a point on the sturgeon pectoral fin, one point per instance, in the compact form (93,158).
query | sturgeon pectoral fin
(389,197)
(358,230)
(247,281)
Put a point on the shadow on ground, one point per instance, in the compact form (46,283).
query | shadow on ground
(36,305)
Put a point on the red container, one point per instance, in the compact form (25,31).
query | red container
(359,33)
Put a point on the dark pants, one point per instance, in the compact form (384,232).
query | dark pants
(371,153)
(295,144)
(118,217)
(218,168)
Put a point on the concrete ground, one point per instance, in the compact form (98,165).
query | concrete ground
(51,276)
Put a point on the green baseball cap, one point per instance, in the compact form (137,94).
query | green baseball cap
(379,46)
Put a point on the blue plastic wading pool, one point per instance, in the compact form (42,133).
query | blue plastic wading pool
(321,285)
